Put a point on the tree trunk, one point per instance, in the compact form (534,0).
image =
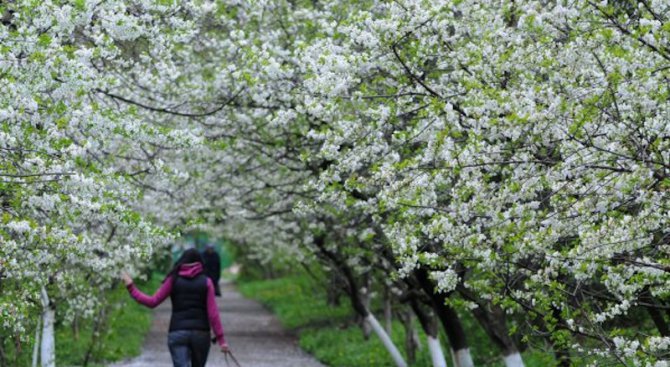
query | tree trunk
(436,353)
(17,348)
(655,313)
(388,311)
(333,291)
(411,344)
(429,326)
(48,348)
(3,354)
(75,327)
(494,322)
(514,360)
(36,346)
(456,335)
(417,339)
(100,323)
(659,321)
(386,340)
(563,358)
(462,358)
(449,319)
(366,297)
(18,345)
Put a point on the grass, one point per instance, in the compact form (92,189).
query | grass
(347,347)
(330,334)
(297,301)
(126,325)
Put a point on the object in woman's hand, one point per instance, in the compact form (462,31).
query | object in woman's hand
(224,348)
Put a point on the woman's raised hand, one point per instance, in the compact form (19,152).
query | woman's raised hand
(127,280)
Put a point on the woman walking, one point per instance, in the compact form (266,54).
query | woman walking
(194,310)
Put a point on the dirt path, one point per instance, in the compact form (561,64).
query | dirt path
(254,335)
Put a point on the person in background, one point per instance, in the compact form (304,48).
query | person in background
(212,263)
(194,310)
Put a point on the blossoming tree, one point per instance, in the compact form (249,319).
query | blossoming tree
(506,158)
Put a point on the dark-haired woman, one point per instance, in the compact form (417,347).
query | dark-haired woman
(194,310)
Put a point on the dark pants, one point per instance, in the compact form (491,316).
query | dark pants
(189,348)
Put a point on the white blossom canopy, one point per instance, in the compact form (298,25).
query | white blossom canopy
(518,150)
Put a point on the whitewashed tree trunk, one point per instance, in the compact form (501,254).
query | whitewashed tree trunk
(415,336)
(36,346)
(514,360)
(462,358)
(386,340)
(48,344)
(436,353)
(366,297)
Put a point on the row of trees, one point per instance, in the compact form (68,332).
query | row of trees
(508,158)
(511,159)
(74,162)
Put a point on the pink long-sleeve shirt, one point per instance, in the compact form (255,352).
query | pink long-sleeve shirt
(189,271)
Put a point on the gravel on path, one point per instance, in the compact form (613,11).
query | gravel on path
(254,334)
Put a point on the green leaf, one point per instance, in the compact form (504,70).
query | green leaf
(44,40)
(80,5)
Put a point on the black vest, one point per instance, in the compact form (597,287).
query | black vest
(189,304)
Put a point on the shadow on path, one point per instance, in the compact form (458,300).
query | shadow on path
(254,334)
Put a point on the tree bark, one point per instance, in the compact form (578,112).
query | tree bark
(411,343)
(429,326)
(493,323)
(659,321)
(386,340)
(100,324)
(75,327)
(366,298)
(449,319)
(462,358)
(48,344)
(388,310)
(655,314)
(36,346)
(493,320)
(436,352)
(513,360)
